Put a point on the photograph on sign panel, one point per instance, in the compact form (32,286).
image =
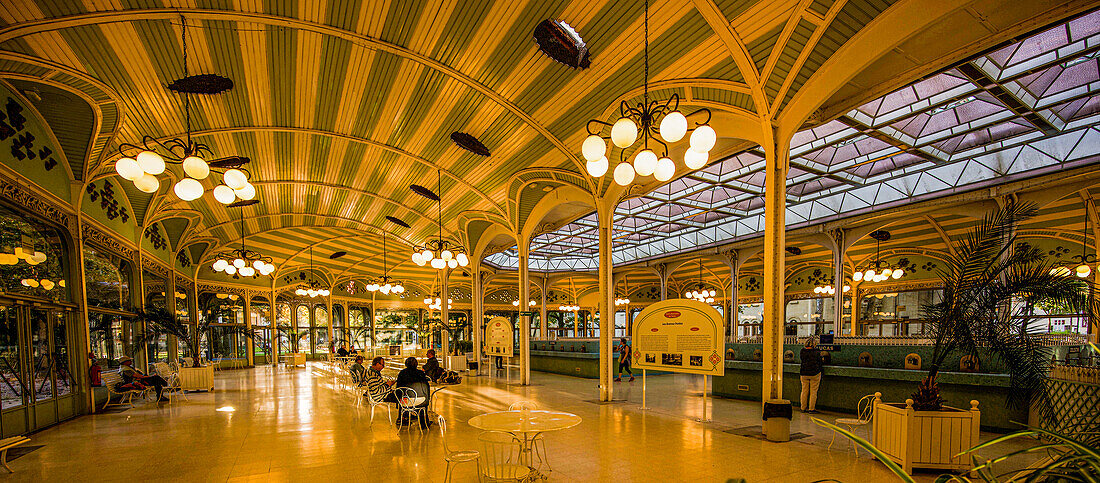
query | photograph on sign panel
(695,361)
(672,359)
(651,358)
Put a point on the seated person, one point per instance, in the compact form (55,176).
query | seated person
(342,351)
(353,351)
(135,379)
(432,367)
(358,372)
(414,378)
(377,388)
(436,372)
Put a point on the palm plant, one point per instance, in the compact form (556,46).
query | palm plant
(986,273)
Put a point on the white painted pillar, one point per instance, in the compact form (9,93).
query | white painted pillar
(544,325)
(734,319)
(838,281)
(248,326)
(605,306)
(775,206)
(478,293)
(524,321)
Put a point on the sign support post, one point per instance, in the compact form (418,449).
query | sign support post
(643,390)
(704,419)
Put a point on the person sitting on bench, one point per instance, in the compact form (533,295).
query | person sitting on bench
(137,380)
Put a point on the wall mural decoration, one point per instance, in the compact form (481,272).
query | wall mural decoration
(13,125)
(183,260)
(155,238)
(104,194)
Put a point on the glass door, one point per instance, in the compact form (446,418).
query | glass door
(36,385)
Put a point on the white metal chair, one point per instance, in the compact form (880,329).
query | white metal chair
(521,405)
(864,410)
(453,457)
(501,458)
(375,403)
(408,403)
(172,377)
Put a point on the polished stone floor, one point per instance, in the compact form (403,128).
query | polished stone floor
(269,424)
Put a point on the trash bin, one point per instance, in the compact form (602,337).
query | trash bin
(777,420)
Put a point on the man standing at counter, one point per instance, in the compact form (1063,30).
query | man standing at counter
(810,374)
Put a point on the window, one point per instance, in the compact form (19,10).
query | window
(155,301)
(285,339)
(303,342)
(106,280)
(260,313)
(810,317)
(886,314)
(750,319)
(32,260)
(320,330)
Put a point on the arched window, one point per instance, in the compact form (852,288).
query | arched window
(320,330)
(303,341)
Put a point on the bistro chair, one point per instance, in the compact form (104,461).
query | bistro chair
(502,458)
(523,405)
(375,403)
(410,405)
(453,457)
(864,411)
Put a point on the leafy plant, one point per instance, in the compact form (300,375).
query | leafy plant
(983,275)
(1066,458)
(160,322)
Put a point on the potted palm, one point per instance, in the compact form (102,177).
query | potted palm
(990,282)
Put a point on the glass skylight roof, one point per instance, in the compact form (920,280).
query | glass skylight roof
(1039,110)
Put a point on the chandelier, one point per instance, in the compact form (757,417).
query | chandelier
(313,288)
(701,293)
(242,262)
(438,252)
(142,163)
(830,290)
(661,122)
(24,251)
(45,283)
(436,303)
(515,303)
(1083,268)
(623,300)
(385,283)
(878,271)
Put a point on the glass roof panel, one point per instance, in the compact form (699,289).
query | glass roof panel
(875,168)
(951,115)
(819,133)
(733,163)
(717,194)
(984,136)
(847,150)
(914,93)
(1059,78)
(1078,108)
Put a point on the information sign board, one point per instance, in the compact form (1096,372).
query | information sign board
(499,337)
(679,336)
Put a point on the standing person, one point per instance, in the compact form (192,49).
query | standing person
(810,374)
(624,361)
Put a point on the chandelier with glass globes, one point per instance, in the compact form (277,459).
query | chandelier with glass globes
(142,164)
(830,290)
(622,301)
(660,122)
(515,303)
(1085,261)
(436,303)
(701,294)
(440,253)
(385,283)
(569,308)
(242,262)
(312,288)
(879,270)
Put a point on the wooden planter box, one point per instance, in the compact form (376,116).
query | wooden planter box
(925,439)
(197,378)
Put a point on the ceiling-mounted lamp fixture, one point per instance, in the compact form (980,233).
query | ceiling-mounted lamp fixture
(385,283)
(312,288)
(1085,261)
(661,122)
(242,262)
(701,292)
(440,253)
(569,308)
(878,271)
(515,303)
(141,164)
(624,300)
(436,302)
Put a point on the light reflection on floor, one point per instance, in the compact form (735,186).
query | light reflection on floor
(297,425)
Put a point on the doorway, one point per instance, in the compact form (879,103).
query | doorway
(36,383)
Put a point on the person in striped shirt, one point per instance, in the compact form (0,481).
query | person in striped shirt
(377,388)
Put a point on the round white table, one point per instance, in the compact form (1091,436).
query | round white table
(526,422)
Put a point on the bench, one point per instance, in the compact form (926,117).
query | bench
(125,396)
(8,443)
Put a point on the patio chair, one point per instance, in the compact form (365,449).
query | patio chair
(375,403)
(172,377)
(453,457)
(501,458)
(864,410)
(409,404)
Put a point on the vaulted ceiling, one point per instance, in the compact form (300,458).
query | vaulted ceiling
(342,104)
